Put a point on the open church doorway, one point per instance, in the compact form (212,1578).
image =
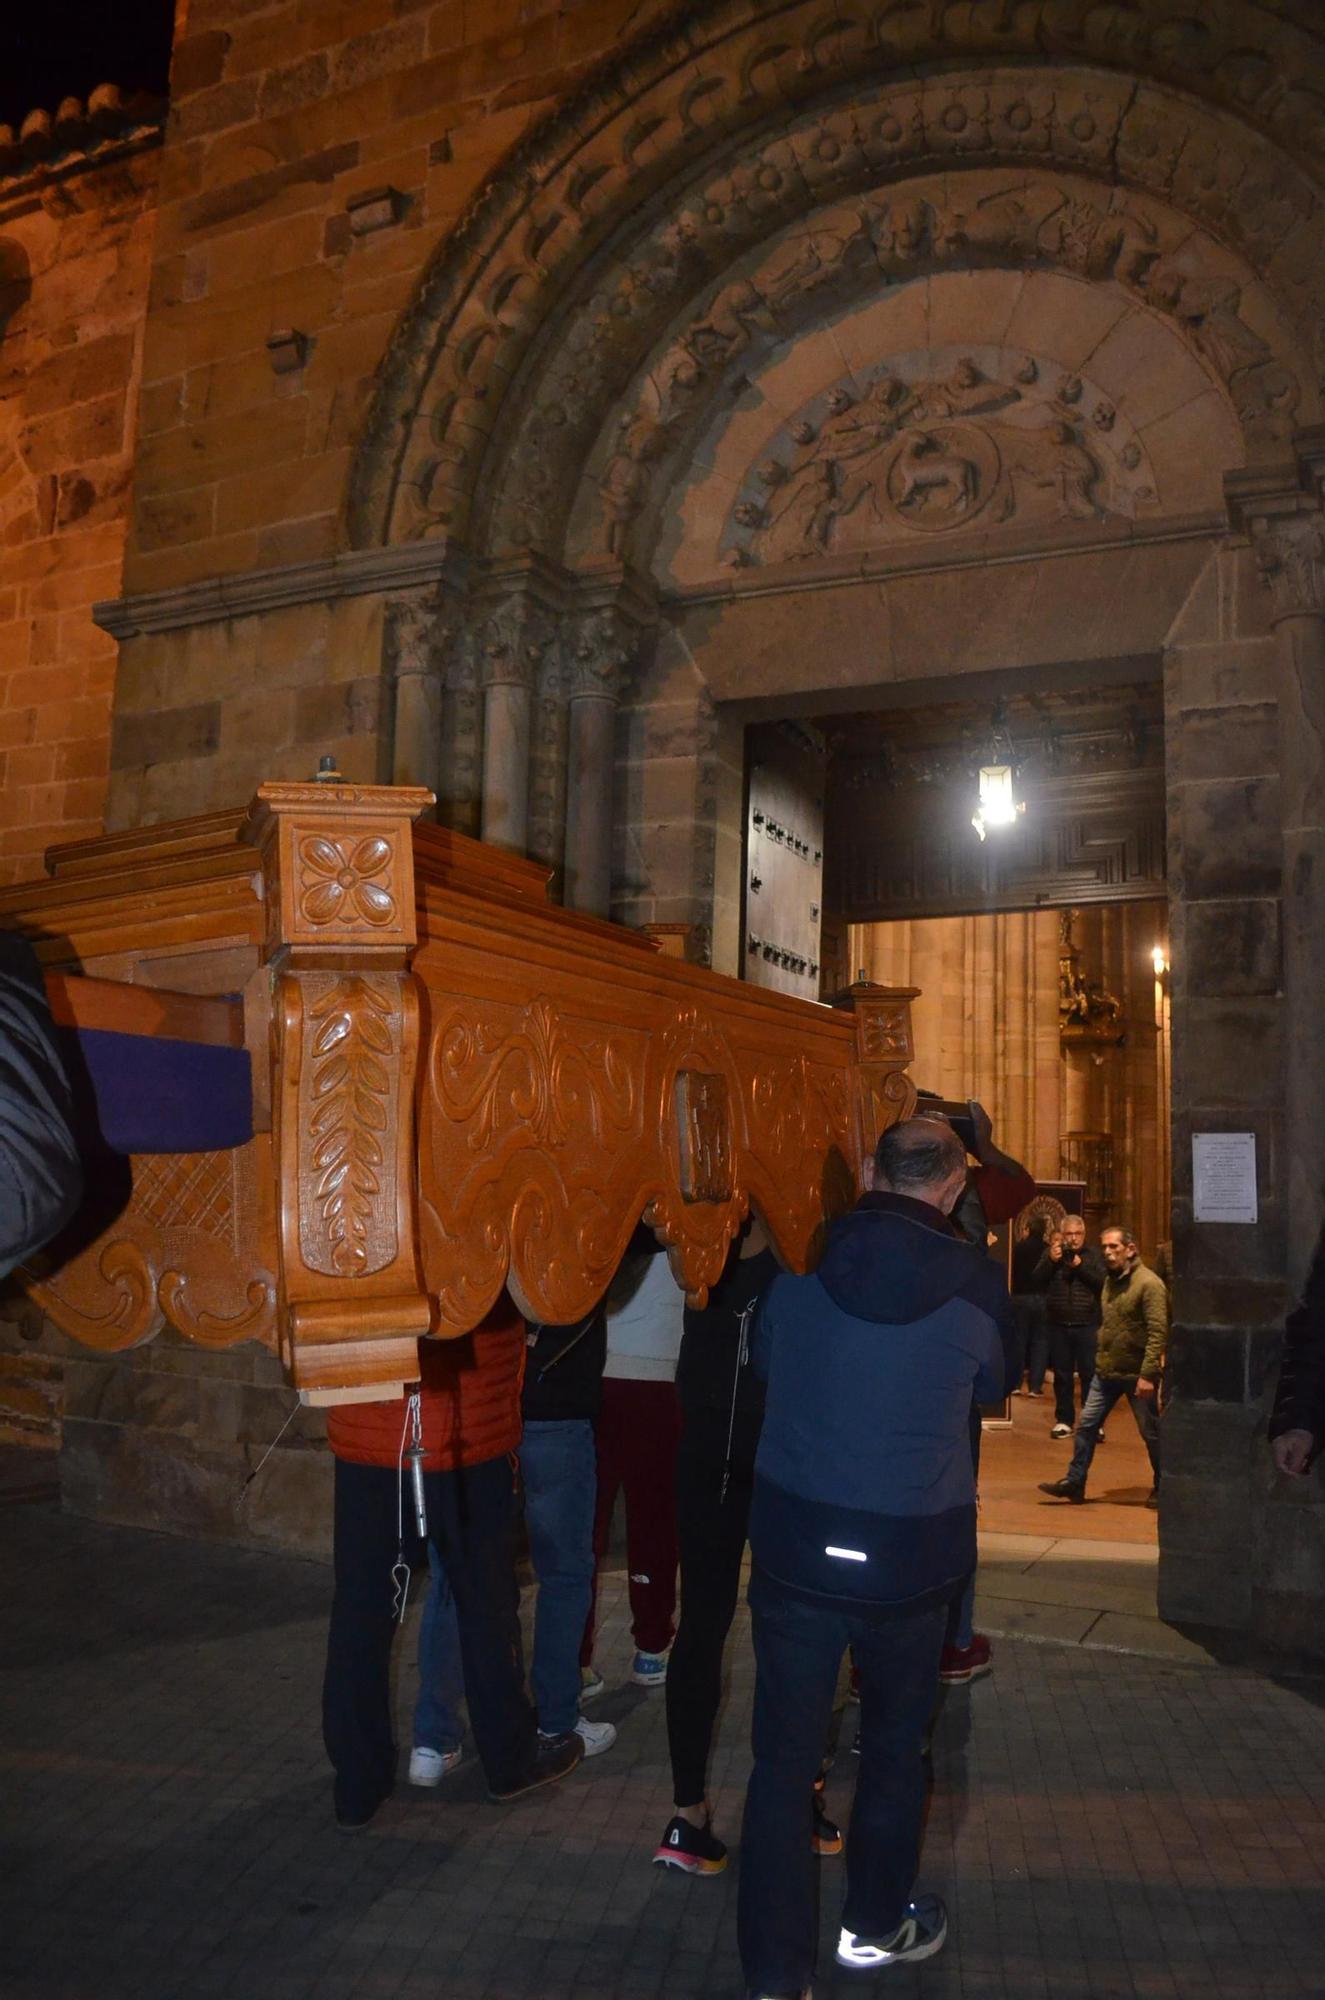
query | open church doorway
(1038,951)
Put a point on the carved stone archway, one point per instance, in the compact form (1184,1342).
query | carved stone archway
(611,326)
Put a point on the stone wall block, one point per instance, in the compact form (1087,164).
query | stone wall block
(1221,743)
(1229,836)
(212,110)
(198,62)
(1290,1545)
(1206,1587)
(1202,1300)
(1228,949)
(1211,1441)
(1202,1514)
(351,708)
(152,1479)
(1229,1052)
(1208,1364)
(166,736)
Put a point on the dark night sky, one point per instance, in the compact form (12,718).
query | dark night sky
(51,49)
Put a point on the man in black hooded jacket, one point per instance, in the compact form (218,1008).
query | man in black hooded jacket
(40,1176)
(862,1530)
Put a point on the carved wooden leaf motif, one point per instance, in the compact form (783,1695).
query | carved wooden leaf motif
(347,1228)
(529,1079)
(341,882)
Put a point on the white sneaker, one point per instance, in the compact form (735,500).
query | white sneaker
(1061,1431)
(922,1932)
(595,1736)
(591,1683)
(650,1670)
(429,1767)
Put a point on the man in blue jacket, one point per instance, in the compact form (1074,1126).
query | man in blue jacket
(862,1530)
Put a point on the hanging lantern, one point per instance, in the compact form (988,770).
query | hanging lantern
(998,806)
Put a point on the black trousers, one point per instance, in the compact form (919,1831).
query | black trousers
(471,1522)
(711,1534)
(798,1650)
(1071,1353)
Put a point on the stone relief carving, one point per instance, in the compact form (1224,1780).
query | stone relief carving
(482,303)
(601,650)
(919,452)
(1063,224)
(1290,555)
(511,641)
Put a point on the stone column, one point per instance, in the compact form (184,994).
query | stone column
(512,640)
(600,650)
(417,638)
(1290,552)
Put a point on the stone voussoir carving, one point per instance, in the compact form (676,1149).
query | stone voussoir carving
(666,99)
(814,258)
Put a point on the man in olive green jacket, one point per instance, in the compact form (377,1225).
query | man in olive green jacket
(1134,1332)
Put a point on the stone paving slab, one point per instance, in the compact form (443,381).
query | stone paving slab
(1103,1826)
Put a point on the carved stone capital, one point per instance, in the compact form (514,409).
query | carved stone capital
(599,651)
(421,631)
(510,642)
(1290,555)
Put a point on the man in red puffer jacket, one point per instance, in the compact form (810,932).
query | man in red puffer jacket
(470,1414)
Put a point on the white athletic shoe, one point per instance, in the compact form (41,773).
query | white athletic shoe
(921,1933)
(429,1767)
(595,1736)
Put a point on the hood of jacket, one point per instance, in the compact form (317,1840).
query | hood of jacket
(894,1260)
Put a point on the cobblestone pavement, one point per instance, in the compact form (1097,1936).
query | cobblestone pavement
(1102,1825)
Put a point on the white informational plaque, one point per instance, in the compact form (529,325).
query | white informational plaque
(1224,1176)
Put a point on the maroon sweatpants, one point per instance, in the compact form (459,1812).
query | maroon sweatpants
(638,1430)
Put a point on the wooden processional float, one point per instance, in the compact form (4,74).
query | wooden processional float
(397,1079)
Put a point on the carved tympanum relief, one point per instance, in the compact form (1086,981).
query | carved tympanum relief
(851,253)
(1091,124)
(693,97)
(936,442)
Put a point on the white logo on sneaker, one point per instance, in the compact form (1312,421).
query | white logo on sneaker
(674,1837)
(637,1576)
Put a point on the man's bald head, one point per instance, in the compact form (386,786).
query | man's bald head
(923,1158)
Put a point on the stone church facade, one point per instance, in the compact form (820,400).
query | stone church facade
(522,399)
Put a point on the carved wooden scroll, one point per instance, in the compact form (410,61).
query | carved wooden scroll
(339,867)
(456,1087)
(574,1082)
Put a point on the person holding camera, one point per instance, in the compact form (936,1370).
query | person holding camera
(1071,1278)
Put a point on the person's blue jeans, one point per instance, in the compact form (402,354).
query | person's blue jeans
(471,1517)
(559,1470)
(1105,1392)
(798,1650)
(437,1724)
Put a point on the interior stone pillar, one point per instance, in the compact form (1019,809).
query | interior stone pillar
(1290,551)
